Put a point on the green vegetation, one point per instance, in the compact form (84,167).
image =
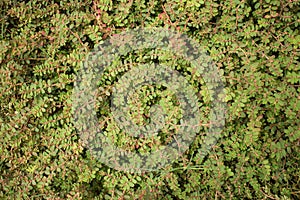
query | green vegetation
(255,45)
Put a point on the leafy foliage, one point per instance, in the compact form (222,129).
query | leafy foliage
(254,44)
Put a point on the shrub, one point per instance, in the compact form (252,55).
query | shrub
(254,44)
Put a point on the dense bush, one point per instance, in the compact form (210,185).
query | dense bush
(254,44)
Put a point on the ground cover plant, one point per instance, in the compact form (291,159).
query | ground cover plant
(254,44)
